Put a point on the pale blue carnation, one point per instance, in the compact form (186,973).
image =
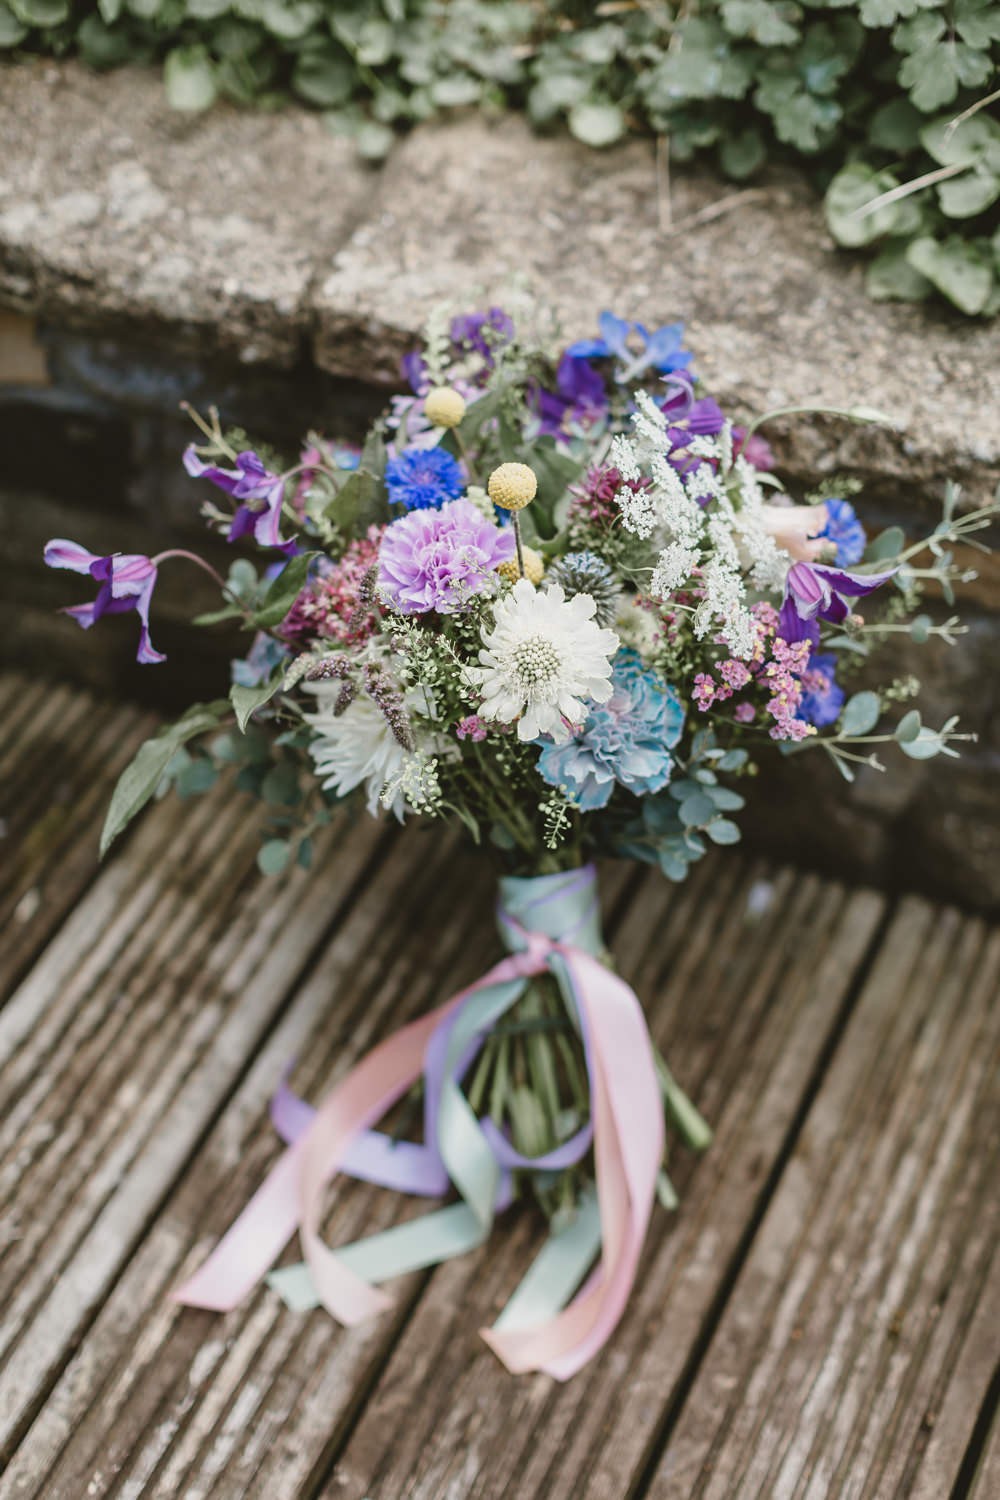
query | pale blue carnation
(626,741)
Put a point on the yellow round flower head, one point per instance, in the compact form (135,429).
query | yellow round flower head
(534,567)
(512,486)
(444,406)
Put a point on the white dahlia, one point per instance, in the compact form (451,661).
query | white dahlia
(544,660)
(356,747)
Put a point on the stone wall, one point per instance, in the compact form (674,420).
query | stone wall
(251,261)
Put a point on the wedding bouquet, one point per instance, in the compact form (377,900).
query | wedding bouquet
(561,600)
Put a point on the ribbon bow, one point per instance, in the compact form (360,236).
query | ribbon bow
(540,1328)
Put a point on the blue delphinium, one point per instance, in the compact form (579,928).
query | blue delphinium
(424,478)
(823,697)
(845,531)
(662,349)
(625,741)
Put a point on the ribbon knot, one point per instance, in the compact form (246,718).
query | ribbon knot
(537,1330)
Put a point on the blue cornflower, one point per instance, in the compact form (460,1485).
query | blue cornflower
(845,531)
(661,350)
(625,741)
(822,697)
(424,478)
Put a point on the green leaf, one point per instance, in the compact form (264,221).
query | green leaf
(852,188)
(326,78)
(12,31)
(197,777)
(41,12)
(697,810)
(920,629)
(142,775)
(861,714)
(597,123)
(373,140)
(273,856)
(964,197)
(283,592)
(722,831)
(924,746)
(908,727)
(726,799)
(359,503)
(957,268)
(189,78)
(246,700)
(743,154)
(887,545)
(891,277)
(896,126)
(976,139)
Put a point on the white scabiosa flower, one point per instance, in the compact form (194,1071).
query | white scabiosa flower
(543,661)
(357,748)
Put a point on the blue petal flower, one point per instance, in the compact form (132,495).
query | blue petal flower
(823,697)
(626,741)
(424,478)
(846,532)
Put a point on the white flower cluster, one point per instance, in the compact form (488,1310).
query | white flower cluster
(722,538)
(669,506)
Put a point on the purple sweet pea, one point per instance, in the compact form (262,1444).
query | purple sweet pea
(579,397)
(661,350)
(126,582)
(815,592)
(260,493)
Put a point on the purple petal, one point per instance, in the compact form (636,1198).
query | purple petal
(62,554)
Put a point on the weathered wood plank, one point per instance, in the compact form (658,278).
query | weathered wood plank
(986,1481)
(164,1401)
(744,1019)
(120,1047)
(61,754)
(855,1309)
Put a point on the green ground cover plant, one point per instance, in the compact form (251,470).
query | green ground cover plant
(889,103)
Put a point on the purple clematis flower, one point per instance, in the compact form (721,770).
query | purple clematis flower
(815,592)
(483,332)
(661,350)
(260,493)
(126,581)
(579,397)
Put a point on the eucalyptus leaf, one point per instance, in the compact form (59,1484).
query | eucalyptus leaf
(273,857)
(861,714)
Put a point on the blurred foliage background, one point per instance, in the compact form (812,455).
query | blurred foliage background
(886,102)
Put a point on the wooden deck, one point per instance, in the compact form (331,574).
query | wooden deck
(820,1319)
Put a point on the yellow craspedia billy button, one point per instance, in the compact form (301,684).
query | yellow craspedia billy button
(444,406)
(534,567)
(512,486)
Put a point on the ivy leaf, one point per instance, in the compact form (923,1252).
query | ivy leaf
(597,122)
(965,196)
(12,31)
(325,78)
(852,188)
(896,126)
(189,79)
(143,774)
(741,155)
(891,277)
(957,268)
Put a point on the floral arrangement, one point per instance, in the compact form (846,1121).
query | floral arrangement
(560,599)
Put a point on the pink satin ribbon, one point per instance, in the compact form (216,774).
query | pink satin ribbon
(628,1148)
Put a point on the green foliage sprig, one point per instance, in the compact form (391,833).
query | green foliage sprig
(866,91)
